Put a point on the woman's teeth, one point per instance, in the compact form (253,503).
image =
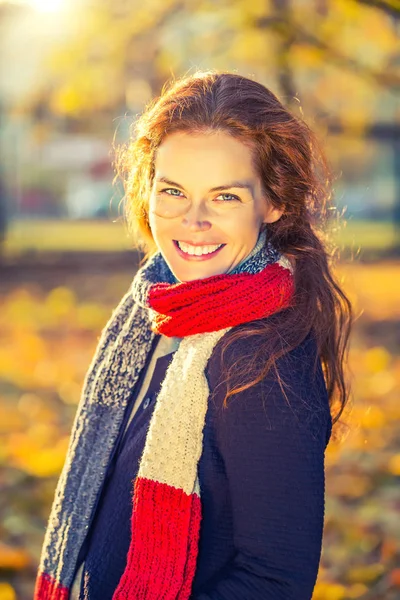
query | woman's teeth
(197,250)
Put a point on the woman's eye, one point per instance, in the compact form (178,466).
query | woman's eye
(231,197)
(168,190)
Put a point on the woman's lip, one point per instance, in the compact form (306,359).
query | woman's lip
(193,256)
(202,244)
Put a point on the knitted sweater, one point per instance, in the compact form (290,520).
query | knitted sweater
(262,479)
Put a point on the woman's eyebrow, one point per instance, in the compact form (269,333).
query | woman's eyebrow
(233,184)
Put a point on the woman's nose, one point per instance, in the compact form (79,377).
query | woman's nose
(196,217)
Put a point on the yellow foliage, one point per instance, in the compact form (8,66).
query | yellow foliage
(352,485)
(306,57)
(251,46)
(7,591)
(375,285)
(349,11)
(6,362)
(45,373)
(34,408)
(29,455)
(365,573)
(91,315)
(348,95)
(60,301)
(329,591)
(30,404)
(382,383)
(376,359)
(255,8)
(12,558)
(367,35)
(43,434)
(31,347)
(356,591)
(10,420)
(373,418)
(394,465)
(67,100)
(69,392)
(19,308)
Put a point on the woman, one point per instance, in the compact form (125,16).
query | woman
(196,462)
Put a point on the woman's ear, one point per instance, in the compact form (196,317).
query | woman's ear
(273,214)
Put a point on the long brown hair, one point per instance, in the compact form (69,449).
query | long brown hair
(295,176)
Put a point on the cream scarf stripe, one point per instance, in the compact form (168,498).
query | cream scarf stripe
(171,455)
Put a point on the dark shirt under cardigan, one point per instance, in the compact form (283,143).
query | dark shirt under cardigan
(262,484)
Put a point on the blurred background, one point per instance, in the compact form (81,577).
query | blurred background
(73,75)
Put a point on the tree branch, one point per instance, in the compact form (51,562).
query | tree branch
(288,28)
(391,9)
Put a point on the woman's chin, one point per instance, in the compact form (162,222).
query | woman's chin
(193,272)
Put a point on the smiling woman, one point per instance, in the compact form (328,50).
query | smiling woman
(189,496)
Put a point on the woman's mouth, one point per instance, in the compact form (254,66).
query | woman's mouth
(196,253)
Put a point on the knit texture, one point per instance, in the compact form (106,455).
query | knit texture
(166,511)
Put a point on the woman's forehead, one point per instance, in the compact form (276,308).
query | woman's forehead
(215,159)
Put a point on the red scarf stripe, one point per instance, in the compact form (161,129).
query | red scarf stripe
(193,549)
(220,301)
(165,523)
(47,588)
(169,295)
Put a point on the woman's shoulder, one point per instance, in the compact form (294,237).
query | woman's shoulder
(233,348)
(295,389)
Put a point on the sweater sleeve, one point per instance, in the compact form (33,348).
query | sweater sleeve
(274,461)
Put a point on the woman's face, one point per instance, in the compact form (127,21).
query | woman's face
(185,206)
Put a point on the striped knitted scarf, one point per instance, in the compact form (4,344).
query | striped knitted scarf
(166,505)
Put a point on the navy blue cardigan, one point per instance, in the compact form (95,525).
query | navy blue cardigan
(262,484)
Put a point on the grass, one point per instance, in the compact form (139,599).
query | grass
(106,236)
